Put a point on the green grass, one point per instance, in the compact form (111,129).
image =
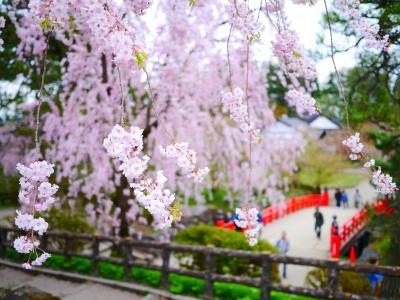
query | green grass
(339,180)
(178,284)
(346,180)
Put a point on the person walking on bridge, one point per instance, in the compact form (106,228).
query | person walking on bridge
(338,197)
(345,199)
(357,198)
(283,247)
(319,221)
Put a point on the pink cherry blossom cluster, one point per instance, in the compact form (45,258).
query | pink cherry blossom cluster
(150,193)
(243,19)
(2,24)
(274,6)
(98,36)
(292,56)
(233,103)
(293,60)
(139,6)
(303,102)
(186,160)
(383,182)
(248,219)
(42,8)
(311,2)
(110,33)
(125,145)
(370,163)
(36,195)
(355,146)
(368,30)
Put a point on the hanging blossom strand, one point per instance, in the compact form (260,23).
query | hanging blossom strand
(186,160)
(36,195)
(293,59)
(368,30)
(250,221)
(234,105)
(126,145)
(302,101)
(383,182)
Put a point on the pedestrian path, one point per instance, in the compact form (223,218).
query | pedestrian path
(303,241)
(11,279)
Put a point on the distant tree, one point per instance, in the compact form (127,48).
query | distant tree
(317,167)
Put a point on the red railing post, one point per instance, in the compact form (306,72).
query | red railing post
(353,257)
(335,251)
(325,199)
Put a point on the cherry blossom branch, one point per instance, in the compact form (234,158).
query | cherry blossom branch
(153,101)
(338,77)
(122,97)
(229,59)
(41,90)
(249,179)
(383,182)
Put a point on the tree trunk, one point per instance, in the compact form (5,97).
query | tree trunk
(121,201)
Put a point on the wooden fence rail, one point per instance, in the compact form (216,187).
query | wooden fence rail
(166,250)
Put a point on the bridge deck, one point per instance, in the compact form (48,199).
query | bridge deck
(302,238)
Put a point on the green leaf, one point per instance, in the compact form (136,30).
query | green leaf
(141,58)
(192,3)
(48,24)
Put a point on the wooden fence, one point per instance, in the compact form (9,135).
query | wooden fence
(166,251)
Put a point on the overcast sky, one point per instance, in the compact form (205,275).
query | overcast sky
(306,20)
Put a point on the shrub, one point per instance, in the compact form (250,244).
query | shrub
(186,285)
(206,235)
(111,271)
(350,282)
(230,291)
(217,198)
(149,277)
(382,246)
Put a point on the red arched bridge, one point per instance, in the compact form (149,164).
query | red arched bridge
(295,216)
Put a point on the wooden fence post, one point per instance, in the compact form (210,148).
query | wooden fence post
(266,278)
(95,256)
(44,242)
(67,248)
(333,280)
(166,253)
(3,241)
(126,250)
(208,289)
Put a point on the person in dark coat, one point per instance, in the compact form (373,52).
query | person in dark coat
(319,221)
(335,226)
(338,197)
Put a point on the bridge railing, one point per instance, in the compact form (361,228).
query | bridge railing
(209,275)
(293,205)
(287,207)
(354,225)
